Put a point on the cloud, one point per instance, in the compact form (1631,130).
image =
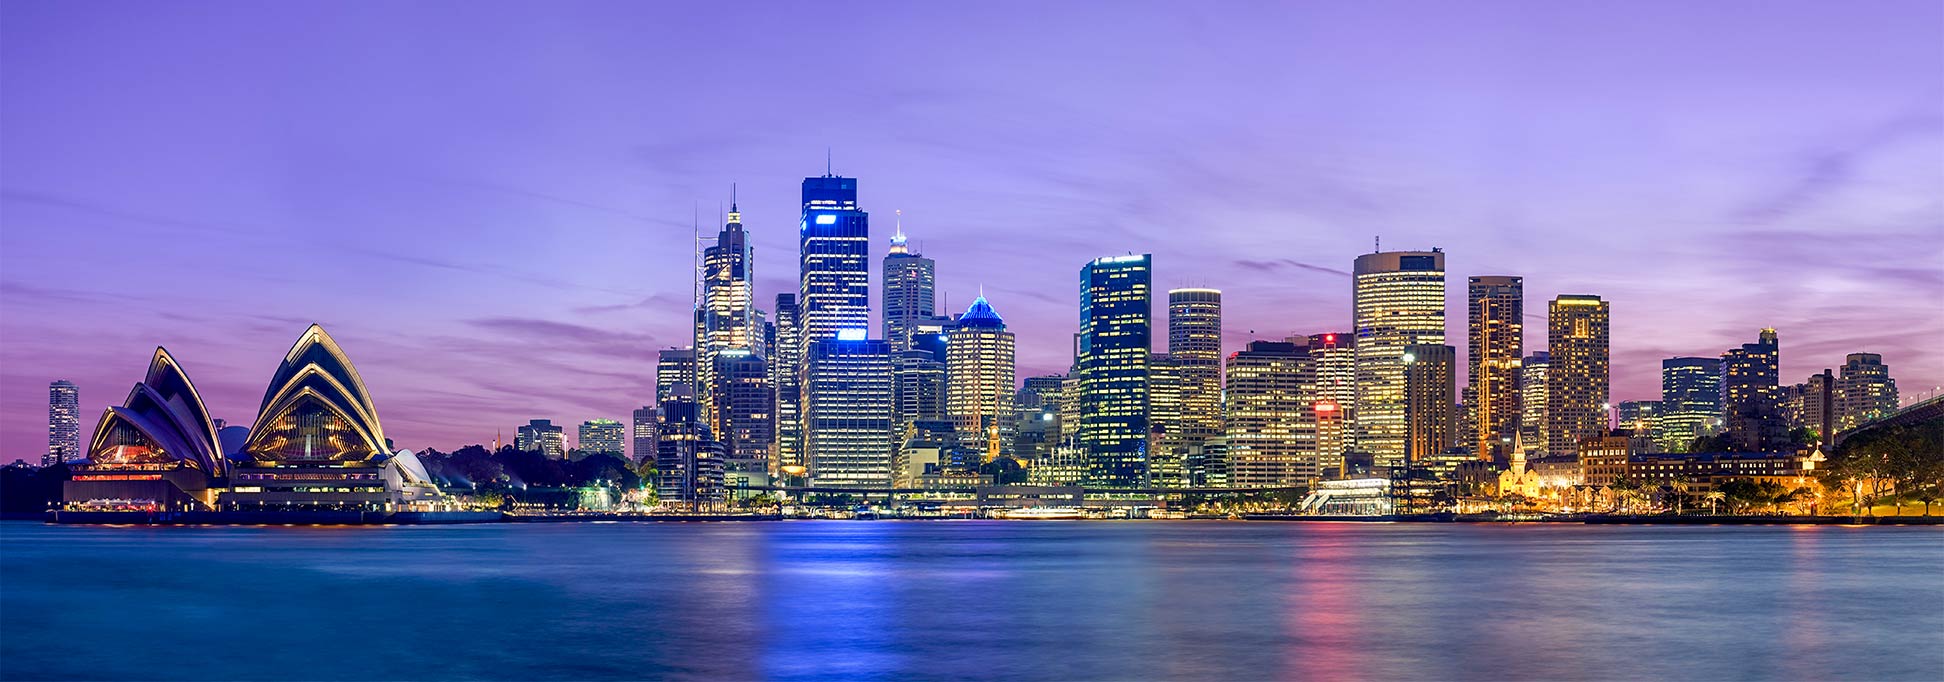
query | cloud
(1827,171)
(1282,263)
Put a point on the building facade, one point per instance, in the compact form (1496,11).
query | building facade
(1195,345)
(601,436)
(1397,300)
(834,244)
(729,321)
(1864,391)
(63,423)
(1690,401)
(542,436)
(642,435)
(1751,393)
(1269,425)
(1496,344)
(849,418)
(1576,376)
(1532,402)
(909,291)
(1430,406)
(786,379)
(1116,337)
(980,381)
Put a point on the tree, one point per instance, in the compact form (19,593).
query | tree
(1712,497)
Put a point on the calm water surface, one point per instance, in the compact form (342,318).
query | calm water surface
(974,599)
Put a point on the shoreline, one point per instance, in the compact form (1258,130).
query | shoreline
(461,517)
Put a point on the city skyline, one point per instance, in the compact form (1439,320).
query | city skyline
(492,296)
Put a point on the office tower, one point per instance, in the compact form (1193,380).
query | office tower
(747,414)
(1037,429)
(728,316)
(1690,401)
(1811,404)
(1329,437)
(1208,463)
(1865,392)
(1430,403)
(1334,354)
(1532,401)
(1639,416)
(918,389)
(688,460)
(1270,431)
(1116,336)
(835,243)
(600,436)
(1576,379)
(786,378)
(674,368)
(1195,344)
(1166,444)
(848,411)
(979,380)
(908,291)
(540,435)
(1397,300)
(1497,343)
(1751,394)
(643,434)
(63,423)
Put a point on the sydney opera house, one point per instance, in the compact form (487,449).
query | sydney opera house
(316,446)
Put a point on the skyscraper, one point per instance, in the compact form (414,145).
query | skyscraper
(1336,382)
(1430,406)
(674,368)
(1166,445)
(1271,432)
(1195,344)
(848,411)
(63,423)
(835,242)
(919,394)
(1497,343)
(1864,392)
(1532,402)
(786,379)
(1576,381)
(1751,393)
(979,380)
(600,436)
(747,415)
(643,434)
(1690,401)
(688,460)
(542,436)
(1397,300)
(908,291)
(1039,403)
(728,317)
(1116,336)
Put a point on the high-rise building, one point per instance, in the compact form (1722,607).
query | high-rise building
(1195,345)
(1038,405)
(643,434)
(1690,401)
(1576,380)
(848,411)
(674,368)
(1270,429)
(1334,354)
(918,388)
(688,459)
(1751,394)
(909,283)
(1865,392)
(600,436)
(1430,403)
(1329,437)
(786,378)
(1812,404)
(1116,336)
(728,317)
(1532,401)
(63,423)
(747,414)
(542,436)
(1166,445)
(1641,419)
(835,243)
(1397,300)
(980,381)
(1497,343)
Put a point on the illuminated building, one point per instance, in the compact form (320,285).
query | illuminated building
(1603,460)
(1430,406)
(1330,426)
(1865,392)
(599,436)
(730,336)
(919,387)
(1641,419)
(980,381)
(1195,344)
(688,459)
(1690,401)
(1397,300)
(1497,343)
(849,411)
(1751,394)
(542,436)
(1116,336)
(927,447)
(1166,445)
(317,443)
(1270,431)
(1532,401)
(747,415)
(1812,404)
(63,423)
(835,241)
(786,378)
(1576,378)
(157,451)
(908,291)
(674,367)
(643,435)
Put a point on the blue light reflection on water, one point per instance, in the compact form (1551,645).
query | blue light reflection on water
(961,600)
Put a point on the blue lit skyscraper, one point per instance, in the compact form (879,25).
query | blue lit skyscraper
(908,291)
(1116,332)
(836,272)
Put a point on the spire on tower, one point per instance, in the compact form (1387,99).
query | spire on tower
(898,235)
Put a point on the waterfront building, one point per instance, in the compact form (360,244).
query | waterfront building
(1690,401)
(1208,463)
(1397,300)
(1576,378)
(1496,338)
(1038,405)
(909,284)
(1330,427)
(600,436)
(1271,431)
(674,368)
(643,434)
(786,379)
(835,275)
(849,411)
(979,385)
(729,328)
(1812,405)
(919,387)
(1195,346)
(542,436)
(1166,444)
(688,459)
(1865,392)
(926,447)
(746,414)
(1751,394)
(1532,401)
(157,451)
(1430,408)
(1116,330)
(63,423)
(1702,473)
(1603,459)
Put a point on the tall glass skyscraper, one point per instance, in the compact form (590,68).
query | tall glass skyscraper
(1195,346)
(63,423)
(1690,401)
(1430,408)
(849,411)
(643,435)
(1116,336)
(835,243)
(1496,344)
(1532,399)
(908,291)
(1397,300)
(1576,381)
(1751,393)
(786,379)
(728,317)
(980,381)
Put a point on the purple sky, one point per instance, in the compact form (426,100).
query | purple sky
(488,204)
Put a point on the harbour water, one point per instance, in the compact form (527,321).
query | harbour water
(1053,600)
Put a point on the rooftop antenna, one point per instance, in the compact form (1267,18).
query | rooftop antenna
(732,196)
(1379,246)
(827,171)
